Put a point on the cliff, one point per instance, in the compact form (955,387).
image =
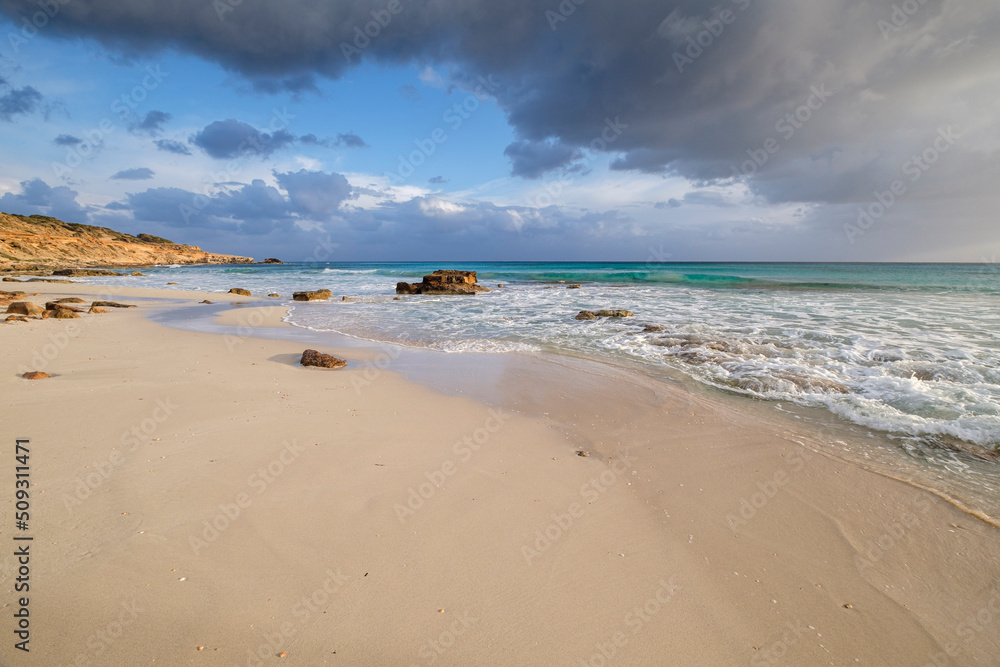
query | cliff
(37,242)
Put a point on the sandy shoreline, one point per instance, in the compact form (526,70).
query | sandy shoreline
(195,490)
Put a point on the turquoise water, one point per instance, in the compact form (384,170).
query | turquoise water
(909,349)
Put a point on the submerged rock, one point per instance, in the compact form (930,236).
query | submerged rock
(316,295)
(320,360)
(585,315)
(444,282)
(573,286)
(594,314)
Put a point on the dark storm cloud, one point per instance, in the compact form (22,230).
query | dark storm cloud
(532,159)
(136,174)
(151,124)
(18,101)
(819,102)
(171,146)
(38,197)
(224,139)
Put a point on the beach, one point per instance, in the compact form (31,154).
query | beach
(200,498)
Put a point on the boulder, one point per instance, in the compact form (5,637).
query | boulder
(61,314)
(444,282)
(55,305)
(71,299)
(25,308)
(593,315)
(97,311)
(240,291)
(111,304)
(315,358)
(16,318)
(35,375)
(317,295)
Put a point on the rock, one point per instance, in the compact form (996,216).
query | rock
(13,296)
(54,280)
(12,280)
(653,328)
(137,273)
(317,295)
(16,318)
(314,358)
(346,298)
(274,295)
(444,282)
(573,286)
(593,315)
(55,305)
(500,285)
(61,314)
(71,299)
(25,308)
(83,273)
(111,304)
(397,298)
(206,301)
(35,375)
(582,453)
(173,283)
(240,291)
(97,311)
(273,260)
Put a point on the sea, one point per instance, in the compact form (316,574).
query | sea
(911,351)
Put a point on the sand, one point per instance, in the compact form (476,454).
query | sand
(198,490)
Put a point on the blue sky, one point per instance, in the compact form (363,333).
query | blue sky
(459,134)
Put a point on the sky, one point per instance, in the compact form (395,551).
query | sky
(559,130)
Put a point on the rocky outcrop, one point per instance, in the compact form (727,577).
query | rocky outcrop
(85,273)
(272,260)
(594,314)
(320,360)
(38,244)
(444,282)
(317,295)
(240,291)
(111,304)
(24,308)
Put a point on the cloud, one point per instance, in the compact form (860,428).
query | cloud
(350,140)
(152,124)
(314,194)
(38,198)
(532,159)
(136,174)
(19,101)
(226,139)
(67,140)
(171,146)
(437,180)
